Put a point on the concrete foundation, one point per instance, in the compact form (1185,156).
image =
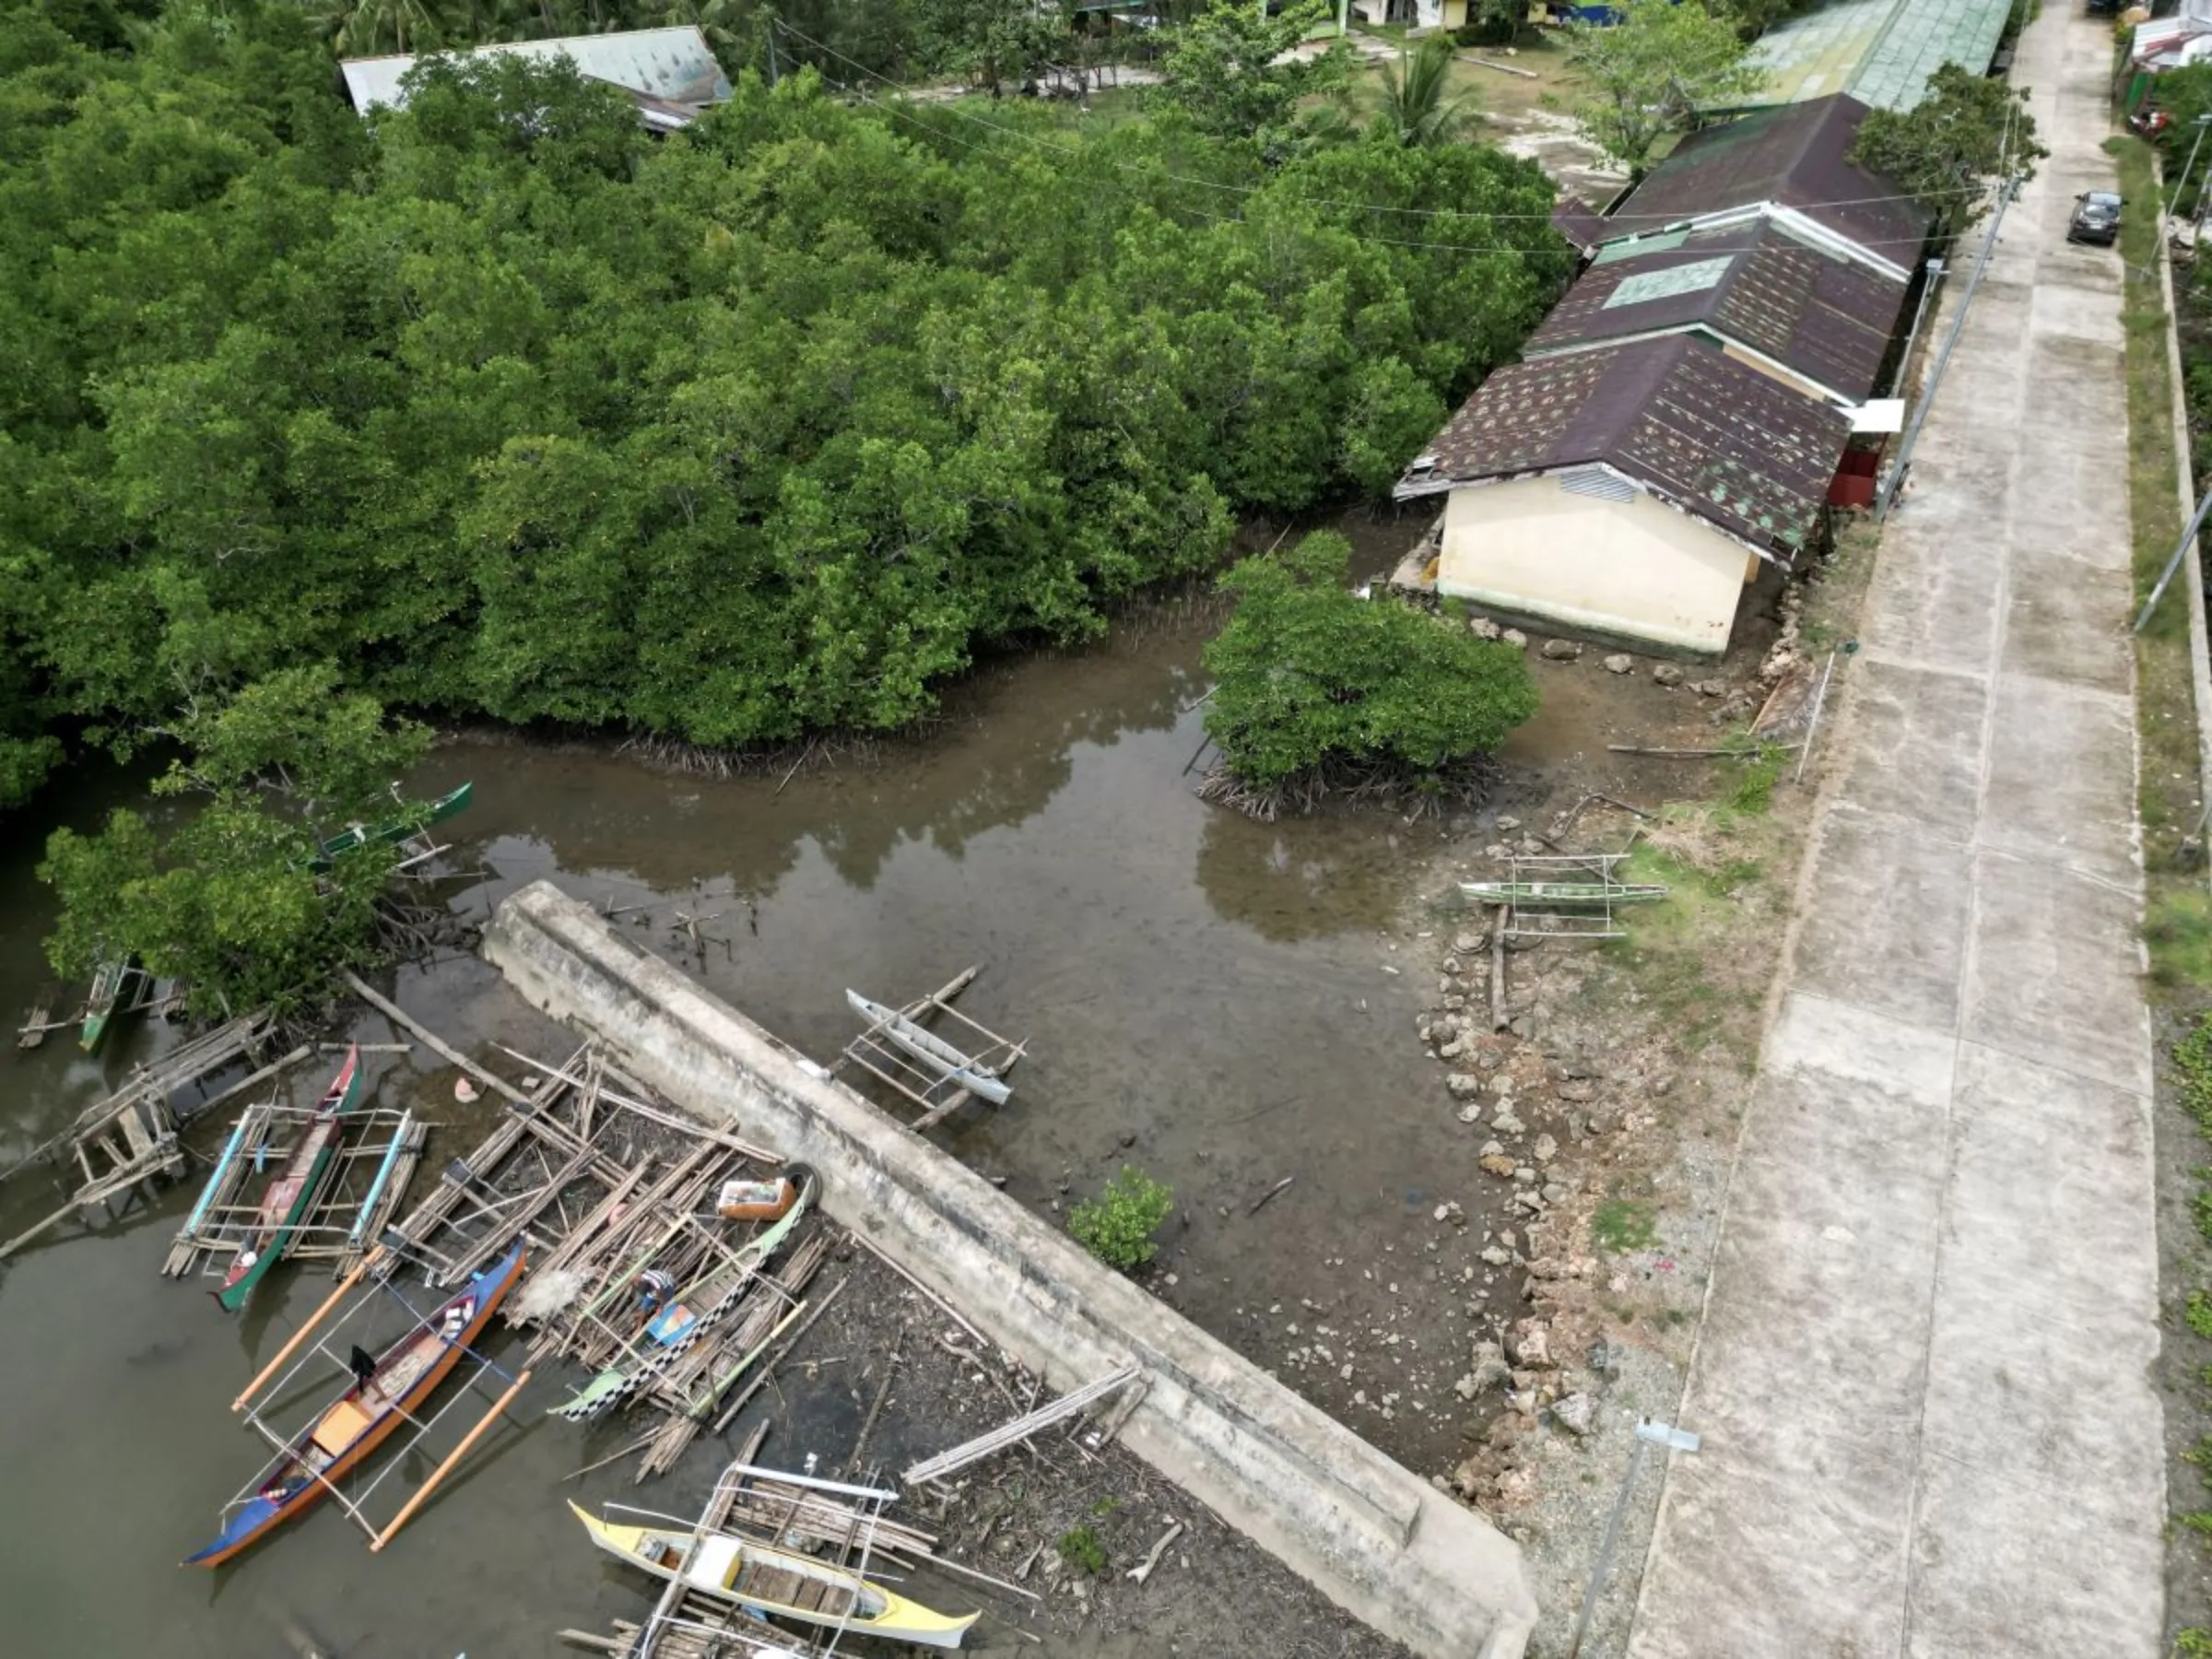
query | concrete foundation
(1378,1541)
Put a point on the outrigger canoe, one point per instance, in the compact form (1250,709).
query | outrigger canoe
(405,1376)
(393,831)
(779,1583)
(673,1324)
(285,1203)
(108,982)
(930,1049)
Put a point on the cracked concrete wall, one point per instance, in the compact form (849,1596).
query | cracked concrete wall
(1378,1541)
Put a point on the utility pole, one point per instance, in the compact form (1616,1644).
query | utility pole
(1648,1433)
(2181,551)
(2009,189)
(1920,312)
(2187,167)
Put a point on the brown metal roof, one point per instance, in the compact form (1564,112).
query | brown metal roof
(1722,441)
(1828,317)
(1580,223)
(1793,156)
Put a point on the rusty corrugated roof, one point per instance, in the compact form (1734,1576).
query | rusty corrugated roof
(1826,318)
(1724,443)
(1793,156)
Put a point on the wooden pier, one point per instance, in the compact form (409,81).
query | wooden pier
(124,1142)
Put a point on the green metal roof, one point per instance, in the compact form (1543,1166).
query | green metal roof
(1881,51)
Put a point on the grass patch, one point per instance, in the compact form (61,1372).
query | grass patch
(1079,1547)
(1622,1225)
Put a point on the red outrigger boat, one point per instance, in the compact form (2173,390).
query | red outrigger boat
(404,1375)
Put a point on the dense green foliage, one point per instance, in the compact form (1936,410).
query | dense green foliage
(224,894)
(1117,1226)
(1967,131)
(1415,103)
(1307,673)
(505,408)
(1647,75)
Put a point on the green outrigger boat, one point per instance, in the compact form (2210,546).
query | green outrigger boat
(109,982)
(394,830)
(292,1194)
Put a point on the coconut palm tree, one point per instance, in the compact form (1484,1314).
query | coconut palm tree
(1416,100)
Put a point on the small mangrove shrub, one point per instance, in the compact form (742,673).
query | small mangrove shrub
(1119,1226)
(1080,1549)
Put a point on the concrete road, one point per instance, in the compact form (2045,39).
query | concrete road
(1922,1379)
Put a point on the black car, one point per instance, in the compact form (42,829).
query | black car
(2096,217)
(2105,8)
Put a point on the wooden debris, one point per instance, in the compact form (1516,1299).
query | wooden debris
(1010,1434)
(1143,1569)
(1260,1203)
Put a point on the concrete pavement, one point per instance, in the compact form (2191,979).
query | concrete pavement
(1924,1375)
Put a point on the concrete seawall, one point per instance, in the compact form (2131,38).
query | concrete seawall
(1378,1541)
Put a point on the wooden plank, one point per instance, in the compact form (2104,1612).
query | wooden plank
(437,1045)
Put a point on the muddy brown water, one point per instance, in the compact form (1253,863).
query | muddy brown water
(1222,1003)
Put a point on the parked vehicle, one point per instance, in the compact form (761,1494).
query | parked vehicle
(2096,217)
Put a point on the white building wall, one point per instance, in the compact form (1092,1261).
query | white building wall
(1634,571)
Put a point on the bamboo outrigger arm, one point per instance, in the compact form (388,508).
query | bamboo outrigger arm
(314,1319)
(422,1493)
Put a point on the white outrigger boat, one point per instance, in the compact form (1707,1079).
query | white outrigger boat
(780,1582)
(930,1050)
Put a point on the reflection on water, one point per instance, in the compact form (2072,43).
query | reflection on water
(1204,995)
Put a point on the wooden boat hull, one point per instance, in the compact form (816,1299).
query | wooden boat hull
(397,830)
(264,1514)
(319,1142)
(930,1049)
(700,1561)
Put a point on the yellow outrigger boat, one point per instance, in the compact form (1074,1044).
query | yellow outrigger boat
(779,1583)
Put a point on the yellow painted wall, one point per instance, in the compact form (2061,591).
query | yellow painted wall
(1635,570)
(1455,13)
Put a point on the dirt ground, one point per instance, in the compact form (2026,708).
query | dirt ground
(1028,1515)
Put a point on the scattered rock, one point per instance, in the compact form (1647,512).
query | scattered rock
(1710,687)
(1482,628)
(1578,1091)
(1577,1413)
(1506,825)
(1507,1122)
(1532,1345)
(1667,674)
(1516,637)
(1620,663)
(1471,1113)
(1497,1164)
(1546,1149)
(1467,944)
(1462,1085)
(1561,650)
(1497,1255)
(1491,1369)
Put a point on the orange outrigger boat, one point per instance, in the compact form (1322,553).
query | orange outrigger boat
(393,1392)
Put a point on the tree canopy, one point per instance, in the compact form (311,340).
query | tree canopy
(229,893)
(1648,73)
(1308,673)
(500,407)
(1967,131)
